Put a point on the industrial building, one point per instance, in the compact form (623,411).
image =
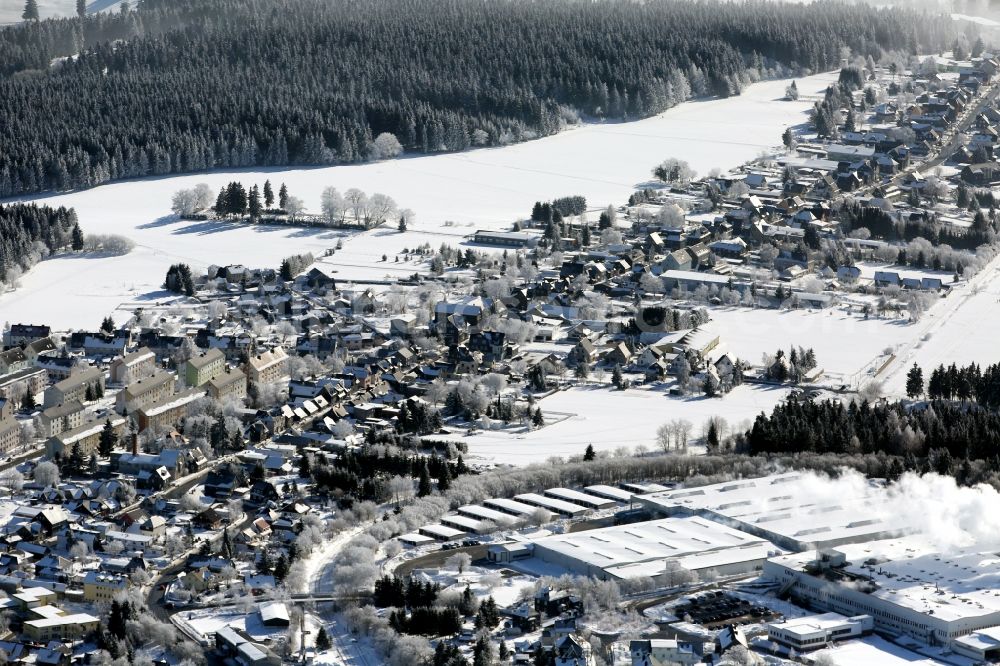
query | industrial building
(482,513)
(561,507)
(656,549)
(580,498)
(817,631)
(511,507)
(908,586)
(784,510)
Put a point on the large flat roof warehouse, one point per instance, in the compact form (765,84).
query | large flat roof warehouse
(561,507)
(907,584)
(722,562)
(583,499)
(509,506)
(610,492)
(441,532)
(483,513)
(786,509)
(595,552)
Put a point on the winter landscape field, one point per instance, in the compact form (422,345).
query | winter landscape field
(624,333)
(487,188)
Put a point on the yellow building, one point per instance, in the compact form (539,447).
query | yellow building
(230,384)
(100,586)
(54,624)
(268,367)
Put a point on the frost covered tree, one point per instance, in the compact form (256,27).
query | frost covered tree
(294,207)
(386,146)
(673,171)
(46,474)
(670,216)
(332,205)
(184,202)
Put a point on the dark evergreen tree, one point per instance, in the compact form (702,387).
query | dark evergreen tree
(268,194)
(77,242)
(281,568)
(30,12)
(253,203)
(107,441)
(322,639)
(915,382)
(424,483)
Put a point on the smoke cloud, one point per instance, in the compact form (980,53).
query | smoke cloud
(949,515)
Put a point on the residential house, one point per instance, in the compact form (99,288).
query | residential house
(59,368)
(74,387)
(848,274)
(102,344)
(678,260)
(663,651)
(168,411)
(571,652)
(13,360)
(10,432)
(52,623)
(87,436)
(735,248)
(22,334)
(701,256)
(619,354)
(39,348)
(268,367)
(887,279)
(15,385)
(204,367)
(144,392)
(230,385)
(60,418)
(133,367)
(103,587)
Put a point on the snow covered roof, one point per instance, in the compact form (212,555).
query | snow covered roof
(782,508)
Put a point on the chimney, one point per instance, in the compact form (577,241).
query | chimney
(135,444)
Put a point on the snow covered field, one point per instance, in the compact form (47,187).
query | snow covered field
(960,329)
(580,416)
(845,344)
(10,10)
(487,187)
(875,651)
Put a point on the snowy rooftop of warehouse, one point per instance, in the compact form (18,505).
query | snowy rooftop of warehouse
(913,573)
(786,506)
(700,561)
(643,542)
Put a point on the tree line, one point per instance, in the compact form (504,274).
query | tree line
(968,384)
(29,233)
(201,84)
(966,431)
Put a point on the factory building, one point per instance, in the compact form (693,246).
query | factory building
(782,509)
(659,549)
(907,585)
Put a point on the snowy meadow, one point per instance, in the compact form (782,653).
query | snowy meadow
(452,195)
